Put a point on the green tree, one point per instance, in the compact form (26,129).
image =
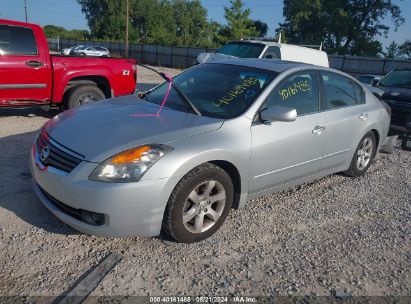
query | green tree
(239,25)
(392,51)
(58,31)
(106,19)
(167,22)
(191,23)
(153,21)
(405,49)
(260,27)
(344,26)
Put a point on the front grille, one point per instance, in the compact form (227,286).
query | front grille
(88,217)
(56,157)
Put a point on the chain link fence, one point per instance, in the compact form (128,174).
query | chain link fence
(184,57)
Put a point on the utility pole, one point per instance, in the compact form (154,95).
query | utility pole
(25,8)
(126,48)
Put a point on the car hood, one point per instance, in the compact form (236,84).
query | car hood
(396,94)
(209,57)
(102,129)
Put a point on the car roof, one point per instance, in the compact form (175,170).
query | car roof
(265,64)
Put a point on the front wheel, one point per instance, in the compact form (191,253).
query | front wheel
(199,204)
(363,156)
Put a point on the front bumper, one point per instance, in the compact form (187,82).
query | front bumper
(129,209)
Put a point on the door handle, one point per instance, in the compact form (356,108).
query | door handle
(363,116)
(34,63)
(318,130)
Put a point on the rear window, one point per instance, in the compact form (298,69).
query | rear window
(242,49)
(341,91)
(16,40)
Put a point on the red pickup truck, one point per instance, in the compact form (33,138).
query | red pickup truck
(29,75)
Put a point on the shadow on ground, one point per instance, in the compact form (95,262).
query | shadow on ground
(16,191)
(28,112)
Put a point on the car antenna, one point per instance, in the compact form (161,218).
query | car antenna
(169,79)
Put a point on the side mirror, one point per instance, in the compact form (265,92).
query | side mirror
(375,82)
(278,113)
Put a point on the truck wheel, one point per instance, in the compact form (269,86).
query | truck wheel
(83,94)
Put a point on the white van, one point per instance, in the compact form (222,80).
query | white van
(269,50)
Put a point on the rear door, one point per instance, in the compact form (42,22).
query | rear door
(347,117)
(283,152)
(91,51)
(24,70)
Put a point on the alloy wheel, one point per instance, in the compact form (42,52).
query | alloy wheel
(364,153)
(204,206)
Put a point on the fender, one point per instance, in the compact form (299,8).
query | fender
(212,156)
(369,128)
(187,156)
(63,74)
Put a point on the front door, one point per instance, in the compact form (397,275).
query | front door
(286,151)
(24,70)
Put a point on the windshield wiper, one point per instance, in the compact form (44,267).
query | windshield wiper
(179,92)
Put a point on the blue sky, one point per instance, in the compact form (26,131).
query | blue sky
(67,13)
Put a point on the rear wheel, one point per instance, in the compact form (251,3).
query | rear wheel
(83,94)
(363,156)
(199,204)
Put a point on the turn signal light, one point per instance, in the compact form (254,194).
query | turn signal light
(130,155)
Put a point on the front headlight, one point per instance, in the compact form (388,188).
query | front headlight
(130,165)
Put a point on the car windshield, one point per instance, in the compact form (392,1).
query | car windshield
(217,90)
(397,79)
(242,49)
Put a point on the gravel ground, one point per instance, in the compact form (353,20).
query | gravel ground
(337,236)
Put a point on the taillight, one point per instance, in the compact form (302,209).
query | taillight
(133,63)
(134,69)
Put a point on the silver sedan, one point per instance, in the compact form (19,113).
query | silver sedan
(177,158)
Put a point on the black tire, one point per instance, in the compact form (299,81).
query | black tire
(83,94)
(405,143)
(82,54)
(355,169)
(173,224)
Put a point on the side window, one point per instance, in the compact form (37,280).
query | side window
(298,91)
(272,52)
(16,40)
(341,91)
